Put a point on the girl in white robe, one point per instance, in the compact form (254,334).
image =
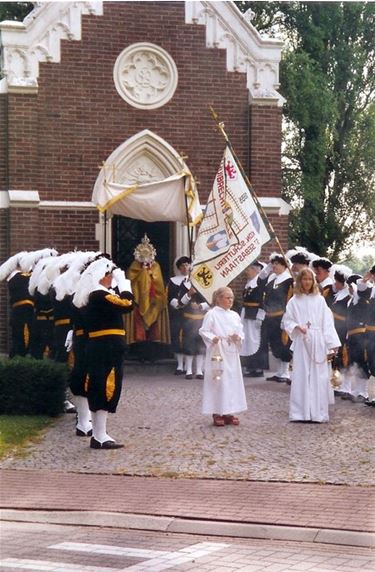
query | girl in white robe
(222,333)
(310,325)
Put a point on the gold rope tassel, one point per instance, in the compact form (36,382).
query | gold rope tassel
(345,356)
(284,338)
(110,385)
(26,335)
(87,382)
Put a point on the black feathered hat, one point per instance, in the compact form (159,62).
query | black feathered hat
(258,264)
(277,257)
(353,278)
(322,263)
(183,260)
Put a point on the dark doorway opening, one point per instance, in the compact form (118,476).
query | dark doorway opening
(127,233)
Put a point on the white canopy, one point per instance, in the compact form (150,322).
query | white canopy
(172,199)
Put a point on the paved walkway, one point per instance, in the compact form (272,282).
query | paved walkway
(265,472)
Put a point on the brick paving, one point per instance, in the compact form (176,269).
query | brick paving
(175,463)
(104,549)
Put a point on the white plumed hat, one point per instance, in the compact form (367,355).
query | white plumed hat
(10,265)
(89,280)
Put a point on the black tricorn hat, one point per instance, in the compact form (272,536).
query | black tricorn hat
(277,257)
(322,263)
(353,278)
(257,263)
(300,258)
(183,260)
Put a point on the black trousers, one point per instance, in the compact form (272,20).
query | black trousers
(21,320)
(41,337)
(277,338)
(105,357)
(358,353)
(78,379)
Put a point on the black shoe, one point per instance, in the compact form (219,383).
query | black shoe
(254,373)
(189,376)
(199,376)
(69,407)
(346,396)
(94,444)
(80,433)
(359,399)
(286,380)
(179,372)
(273,378)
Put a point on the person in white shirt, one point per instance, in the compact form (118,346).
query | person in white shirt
(310,325)
(223,388)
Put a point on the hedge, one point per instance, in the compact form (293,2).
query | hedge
(32,387)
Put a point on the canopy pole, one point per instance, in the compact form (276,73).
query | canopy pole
(105,233)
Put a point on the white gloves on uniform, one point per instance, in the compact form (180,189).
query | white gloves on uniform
(122,282)
(69,341)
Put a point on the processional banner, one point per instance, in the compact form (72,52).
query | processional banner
(232,231)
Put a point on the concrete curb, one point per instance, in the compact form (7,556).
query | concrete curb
(190,526)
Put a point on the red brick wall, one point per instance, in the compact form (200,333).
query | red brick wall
(59,137)
(73,229)
(81,118)
(265,150)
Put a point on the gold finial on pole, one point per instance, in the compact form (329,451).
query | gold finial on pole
(219,124)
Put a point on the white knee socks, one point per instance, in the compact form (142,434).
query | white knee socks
(189,364)
(99,426)
(83,413)
(180,361)
(199,360)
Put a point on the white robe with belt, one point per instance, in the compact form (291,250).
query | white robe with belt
(226,395)
(310,389)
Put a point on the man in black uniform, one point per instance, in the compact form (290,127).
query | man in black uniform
(21,303)
(254,352)
(278,289)
(322,268)
(175,310)
(356,321)
(194,308)
(103,312)
(340,313)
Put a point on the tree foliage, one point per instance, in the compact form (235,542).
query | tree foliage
(15,10)
(328,80)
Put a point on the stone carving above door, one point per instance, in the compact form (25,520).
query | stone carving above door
(145,76)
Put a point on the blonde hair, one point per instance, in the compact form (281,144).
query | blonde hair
(219,292)
(298,285)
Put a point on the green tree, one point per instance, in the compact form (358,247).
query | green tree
(15,10)
(327,77)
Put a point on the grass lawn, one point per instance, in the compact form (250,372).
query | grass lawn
(18,430)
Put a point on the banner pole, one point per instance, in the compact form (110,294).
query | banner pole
(105,232)
(189,231)
(220,125)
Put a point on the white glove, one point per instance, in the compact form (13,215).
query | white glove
(69,341)
(122,282)
(265,272)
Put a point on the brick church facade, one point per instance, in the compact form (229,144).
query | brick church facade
(86,81)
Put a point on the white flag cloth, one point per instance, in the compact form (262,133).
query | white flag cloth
(232,231)
(166,200)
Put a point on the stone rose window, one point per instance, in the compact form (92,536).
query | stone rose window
(145,76)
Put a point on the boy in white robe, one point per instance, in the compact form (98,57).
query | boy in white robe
(222,332)
(310,326)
